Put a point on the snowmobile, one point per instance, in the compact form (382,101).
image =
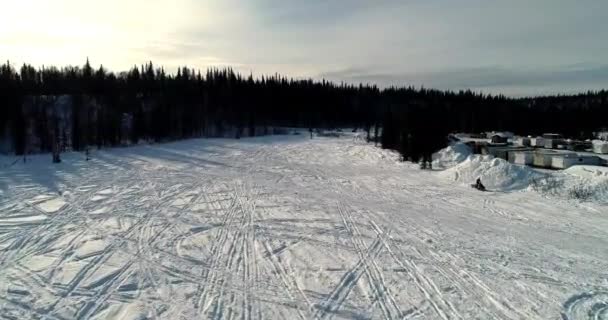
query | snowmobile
(478,185)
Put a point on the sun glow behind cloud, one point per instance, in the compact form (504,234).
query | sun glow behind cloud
(111,31)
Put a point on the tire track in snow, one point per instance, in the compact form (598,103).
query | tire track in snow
(58,221)
(426,285)
(65,215)
(32,277)
(465,281)
(375,279)
(291,287)
(454,274)
(24,239)
(217,247)
(384,298)
(490,205)
(109,288)
(246,196)
(234,250)
(237,251)
(286,278)
(349,280)
(109,251)
(248,254)
(87,270)
(95,264)
(240,249)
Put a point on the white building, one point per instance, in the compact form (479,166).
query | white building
(506,134)
(538,142)
(499,138)
(555,144)
(523,158)
(565,161)
(600,146)
(544,159)
(523,141)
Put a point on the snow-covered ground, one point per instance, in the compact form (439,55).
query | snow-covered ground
(289,228)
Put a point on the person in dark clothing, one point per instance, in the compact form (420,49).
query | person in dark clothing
(479,185)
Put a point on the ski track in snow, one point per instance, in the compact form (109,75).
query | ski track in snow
(284,228)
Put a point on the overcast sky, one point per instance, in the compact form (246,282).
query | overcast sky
(517,47)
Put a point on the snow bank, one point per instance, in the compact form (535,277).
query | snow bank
(588,172)
(496,174)
(368,154)
(587,183)
(451,156)
(581,183)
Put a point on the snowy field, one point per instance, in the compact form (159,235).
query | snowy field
(288,228)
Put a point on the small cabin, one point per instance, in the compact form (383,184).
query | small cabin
(600,147)
(543,159)
(523,142)
(523,158)
(537,142)
(555,143)
(504,152)
(498,139)
(507,134)
(576,145)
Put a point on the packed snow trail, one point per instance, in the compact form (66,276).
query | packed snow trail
(287,228)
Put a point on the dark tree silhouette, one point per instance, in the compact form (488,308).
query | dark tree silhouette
(148,104)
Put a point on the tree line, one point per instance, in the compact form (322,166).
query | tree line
(50,109)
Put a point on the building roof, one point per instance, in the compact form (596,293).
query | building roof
(501,134)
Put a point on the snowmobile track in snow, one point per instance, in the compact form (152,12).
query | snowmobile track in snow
(286,228)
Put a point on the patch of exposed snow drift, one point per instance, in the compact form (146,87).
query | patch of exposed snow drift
(496,174)
(584,183)
(588,172)
(451,156)
(591,185)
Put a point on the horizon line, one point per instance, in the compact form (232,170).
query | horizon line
(278,75)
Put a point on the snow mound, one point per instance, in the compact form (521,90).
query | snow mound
(496,174)
(600,142)
(579,183)
(586,183)
(451,156)
(52,206)
(588,172)
(368,154)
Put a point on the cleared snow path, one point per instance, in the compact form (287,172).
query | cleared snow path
(287,228)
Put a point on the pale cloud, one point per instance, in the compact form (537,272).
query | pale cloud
(515,82)
(109,31)
(515,46)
